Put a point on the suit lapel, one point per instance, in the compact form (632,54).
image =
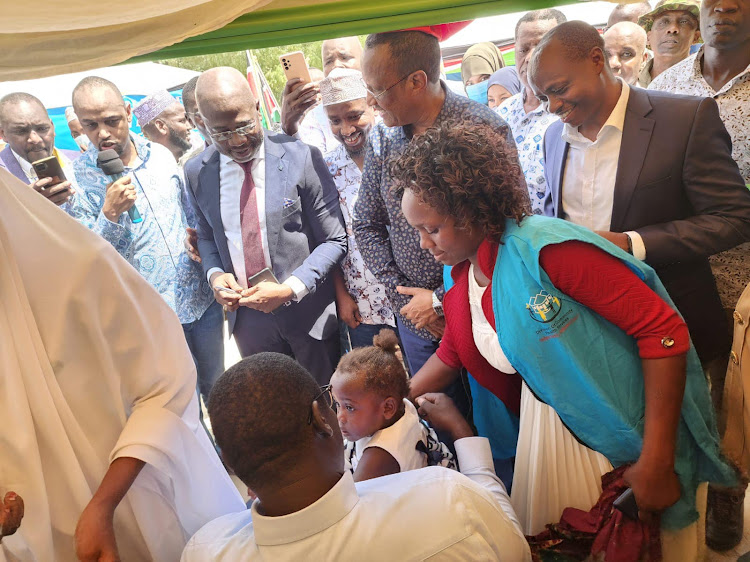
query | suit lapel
(209,183)
(277,170)
(636,136)
(559,155)
(12,165)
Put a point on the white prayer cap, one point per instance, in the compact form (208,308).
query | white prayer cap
(150,107)
(70,115)
(342,84)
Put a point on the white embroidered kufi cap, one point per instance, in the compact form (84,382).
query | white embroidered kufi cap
(70,114)
(150,107)
(342,84)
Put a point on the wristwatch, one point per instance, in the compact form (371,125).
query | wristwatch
(630,244)
(437,306)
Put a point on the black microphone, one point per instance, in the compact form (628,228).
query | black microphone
(110,163)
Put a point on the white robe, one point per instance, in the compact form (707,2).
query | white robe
(94,366)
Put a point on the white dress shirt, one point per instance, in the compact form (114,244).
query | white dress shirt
(431,512)
(231,178)
(588,186)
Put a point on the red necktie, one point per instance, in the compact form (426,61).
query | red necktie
(252,242)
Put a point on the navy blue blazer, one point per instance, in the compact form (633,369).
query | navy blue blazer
(679,188)
(306,238)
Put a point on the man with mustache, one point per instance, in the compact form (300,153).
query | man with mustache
(625,47)
(163,120)
(153,184)
(266,202)
(361,299)
(721,70)
(30,134)
(671,29)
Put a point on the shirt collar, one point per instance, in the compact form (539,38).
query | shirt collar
(314,519)
(341,157)
(615,120)
(259,156)
(697,74)
(26,166)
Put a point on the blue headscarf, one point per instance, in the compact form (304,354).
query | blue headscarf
(507,78)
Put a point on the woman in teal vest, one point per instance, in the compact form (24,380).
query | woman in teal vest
(609,374)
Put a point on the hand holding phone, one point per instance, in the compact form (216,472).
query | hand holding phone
(49,168)
(56,193)
(299,95)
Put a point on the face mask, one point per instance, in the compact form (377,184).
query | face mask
(478,92)
(83,142)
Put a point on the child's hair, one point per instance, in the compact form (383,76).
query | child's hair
(379,366)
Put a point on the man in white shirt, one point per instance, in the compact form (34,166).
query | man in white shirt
(651,172)
(279,433)
(266,206)
(301,115)
(30,134)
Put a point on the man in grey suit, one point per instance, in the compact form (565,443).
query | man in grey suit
(649,171)
(266,201)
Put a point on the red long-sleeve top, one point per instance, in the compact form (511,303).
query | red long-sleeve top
(587,274)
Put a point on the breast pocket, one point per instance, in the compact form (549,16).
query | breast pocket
(291,216)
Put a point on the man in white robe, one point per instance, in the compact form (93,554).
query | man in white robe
(98,402)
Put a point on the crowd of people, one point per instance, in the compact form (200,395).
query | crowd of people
(472,327)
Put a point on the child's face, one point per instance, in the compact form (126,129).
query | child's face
(360,413)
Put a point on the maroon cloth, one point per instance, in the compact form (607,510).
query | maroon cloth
(252,242)
(603,533)
(457,348)
(442,31)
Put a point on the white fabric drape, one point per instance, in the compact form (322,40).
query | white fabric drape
(51,37)
(94,366)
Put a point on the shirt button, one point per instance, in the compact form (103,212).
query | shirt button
(737,317)
(667,342)
(735,358)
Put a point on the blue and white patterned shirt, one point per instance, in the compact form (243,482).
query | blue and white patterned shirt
(528,131)
(389,245)
(155,247)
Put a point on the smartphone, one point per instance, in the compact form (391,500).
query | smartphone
(49,168)
(227,290)
(263,275)
(295,66)
(626,503)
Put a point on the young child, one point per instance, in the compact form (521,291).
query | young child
(382,427)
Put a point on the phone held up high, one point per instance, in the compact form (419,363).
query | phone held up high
(49,168)
(295,66)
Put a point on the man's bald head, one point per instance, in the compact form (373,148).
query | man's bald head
(628,12)
(625,47)
(344,52)
(226,104)
(220,87)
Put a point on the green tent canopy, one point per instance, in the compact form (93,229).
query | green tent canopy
(318,20)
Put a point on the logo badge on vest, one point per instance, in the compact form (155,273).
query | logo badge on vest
(543,307)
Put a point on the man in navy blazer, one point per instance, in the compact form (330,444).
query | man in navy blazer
(651,172)
(266,201)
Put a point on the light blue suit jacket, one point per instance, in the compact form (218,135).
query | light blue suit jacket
(305,228)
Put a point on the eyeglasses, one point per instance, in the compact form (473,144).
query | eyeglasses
(327,395)
(377,96)
(242,131)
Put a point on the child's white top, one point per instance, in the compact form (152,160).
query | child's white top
(400,440)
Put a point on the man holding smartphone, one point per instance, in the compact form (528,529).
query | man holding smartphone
(267,210)
(30,134)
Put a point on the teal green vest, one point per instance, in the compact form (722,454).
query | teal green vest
(588,369)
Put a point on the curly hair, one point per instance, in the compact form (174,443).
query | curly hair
(378,365)
(468,170)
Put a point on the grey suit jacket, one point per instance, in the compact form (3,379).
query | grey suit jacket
(306,235)
(679,188)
